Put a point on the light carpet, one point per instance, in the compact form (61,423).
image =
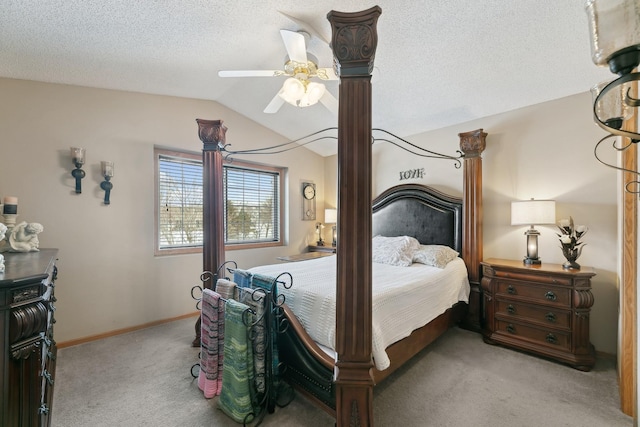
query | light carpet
(143,378)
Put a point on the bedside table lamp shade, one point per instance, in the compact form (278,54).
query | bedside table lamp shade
(331,217)
(533,212)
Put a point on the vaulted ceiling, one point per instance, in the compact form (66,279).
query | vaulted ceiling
(438,62)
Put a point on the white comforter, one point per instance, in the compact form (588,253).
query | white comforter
(404,298)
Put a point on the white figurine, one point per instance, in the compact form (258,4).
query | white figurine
(3,230)
(24,237)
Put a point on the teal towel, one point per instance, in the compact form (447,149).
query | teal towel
(238,375)
(259,281)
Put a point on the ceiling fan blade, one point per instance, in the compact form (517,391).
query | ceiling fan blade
(296,45)
(330,102)
(250,73)
(327,74)
(306,27)
(274,105)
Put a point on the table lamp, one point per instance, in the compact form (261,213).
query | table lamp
(533,212)
(331,217)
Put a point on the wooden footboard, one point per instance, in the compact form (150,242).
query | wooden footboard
(311,371)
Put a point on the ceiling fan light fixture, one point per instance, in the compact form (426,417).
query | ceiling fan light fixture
(292,90)
(313,94)
(301,93)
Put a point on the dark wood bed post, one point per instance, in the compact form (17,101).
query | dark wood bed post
(472,145)
(354,41)
(213,135)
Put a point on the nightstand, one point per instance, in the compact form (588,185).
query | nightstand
(315,248)
(541,309)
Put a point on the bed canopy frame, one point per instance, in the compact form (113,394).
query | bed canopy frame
(354,42)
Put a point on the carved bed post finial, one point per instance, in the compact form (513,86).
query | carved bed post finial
(354,41)
(213,135)
(472,145)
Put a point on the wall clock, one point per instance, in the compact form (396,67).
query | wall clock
(308,201)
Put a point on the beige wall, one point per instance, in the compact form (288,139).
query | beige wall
(109,278)
(543,151)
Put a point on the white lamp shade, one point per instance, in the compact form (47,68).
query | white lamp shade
(530,212)
(330,216)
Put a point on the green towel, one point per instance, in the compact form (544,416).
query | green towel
(238,375)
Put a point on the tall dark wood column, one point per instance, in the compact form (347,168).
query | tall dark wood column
(354,41)
(213,135)
(472,144)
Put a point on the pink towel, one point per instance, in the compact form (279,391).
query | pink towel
(211,343)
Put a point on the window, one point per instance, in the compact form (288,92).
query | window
(252,203)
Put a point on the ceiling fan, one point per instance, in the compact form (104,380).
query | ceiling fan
(301,68)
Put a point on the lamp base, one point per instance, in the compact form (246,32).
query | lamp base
(531,261)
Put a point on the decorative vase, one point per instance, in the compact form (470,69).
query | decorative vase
(571,255)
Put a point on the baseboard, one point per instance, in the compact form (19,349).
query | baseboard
(607,356)
(123,330)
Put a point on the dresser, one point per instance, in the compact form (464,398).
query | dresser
(541,309)
(28,356)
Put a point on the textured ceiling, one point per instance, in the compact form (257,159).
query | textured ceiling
(438,62)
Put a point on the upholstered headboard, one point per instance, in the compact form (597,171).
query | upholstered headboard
(415,210)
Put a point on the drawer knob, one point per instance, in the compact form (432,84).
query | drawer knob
(511,309)
(551,339)
(43,409)
(511,329)
(511,290)
(550,296)
(551,317)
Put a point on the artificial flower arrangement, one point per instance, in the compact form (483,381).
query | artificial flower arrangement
(570,241)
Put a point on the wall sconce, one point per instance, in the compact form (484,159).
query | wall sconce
(106,185)
(614,28)
(331,217)
(77,156)
(533,212)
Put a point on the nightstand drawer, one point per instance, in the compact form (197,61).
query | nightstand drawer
(530,277)
(539,293)
(549,338)
(543,315)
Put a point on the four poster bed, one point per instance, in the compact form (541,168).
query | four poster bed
(418,211)
(342,383)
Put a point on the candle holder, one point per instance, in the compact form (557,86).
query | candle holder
(10,222)
(106,185)
(77,156)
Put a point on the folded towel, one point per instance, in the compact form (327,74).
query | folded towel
(211,343)
(255,300)
(237,378)
(259,281)
(242,278)
(226,289)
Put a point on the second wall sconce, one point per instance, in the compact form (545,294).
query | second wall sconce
(106,185)
(77,156)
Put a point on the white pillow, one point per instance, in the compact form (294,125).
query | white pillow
(396,251)
(434,255)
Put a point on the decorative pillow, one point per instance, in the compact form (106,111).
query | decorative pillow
(396,251)
(434,255)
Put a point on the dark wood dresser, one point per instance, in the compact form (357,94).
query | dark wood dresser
(28,357)
(542,309)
